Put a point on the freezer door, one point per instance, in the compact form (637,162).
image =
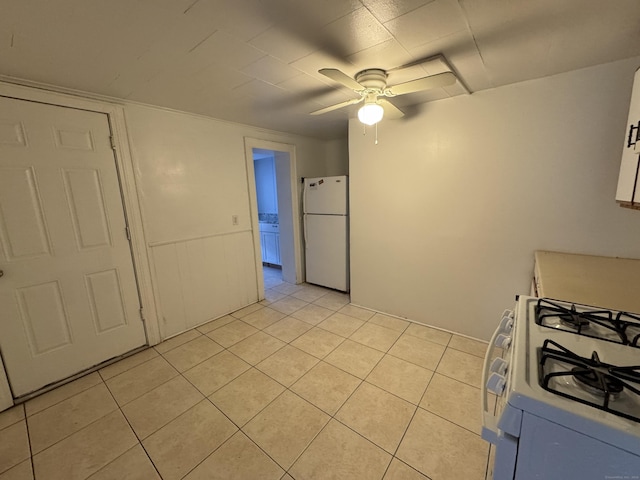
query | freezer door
(327,250)
(326,195)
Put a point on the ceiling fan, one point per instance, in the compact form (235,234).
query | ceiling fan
(371,85)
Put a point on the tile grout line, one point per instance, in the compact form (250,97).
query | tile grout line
(26,423)
(134,432)
(78,430)
(286,388)
(64,399)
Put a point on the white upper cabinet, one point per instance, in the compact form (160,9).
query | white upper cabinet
(628,193)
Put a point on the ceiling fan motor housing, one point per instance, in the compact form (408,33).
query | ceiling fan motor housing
(372,79)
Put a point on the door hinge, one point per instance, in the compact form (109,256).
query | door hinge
(127,232)
(142,314)
(113,142)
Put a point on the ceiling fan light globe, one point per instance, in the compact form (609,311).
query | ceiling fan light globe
(370,114)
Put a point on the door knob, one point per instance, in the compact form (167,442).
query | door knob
(1,273)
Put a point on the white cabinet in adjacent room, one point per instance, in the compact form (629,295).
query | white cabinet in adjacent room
(270,243)
(628,193)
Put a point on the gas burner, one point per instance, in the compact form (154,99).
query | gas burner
(589,382)
(620,327)
(595,382)
(614,389)
(574,320)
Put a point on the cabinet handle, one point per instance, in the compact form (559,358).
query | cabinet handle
(631,143)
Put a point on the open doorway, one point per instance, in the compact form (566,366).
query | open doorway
(273,188)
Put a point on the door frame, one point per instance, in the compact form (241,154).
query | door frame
(249,145)
(132,208)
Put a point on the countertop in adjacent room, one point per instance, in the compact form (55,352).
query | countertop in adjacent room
(609,282)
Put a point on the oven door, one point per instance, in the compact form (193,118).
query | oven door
(502,426)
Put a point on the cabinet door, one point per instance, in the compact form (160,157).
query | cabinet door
(262,247)
(628,188)
(271,248)
(277,239)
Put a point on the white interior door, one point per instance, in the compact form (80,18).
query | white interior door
(68,294)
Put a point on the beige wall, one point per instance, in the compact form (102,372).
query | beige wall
(337,155)
(447,210)
(191,175)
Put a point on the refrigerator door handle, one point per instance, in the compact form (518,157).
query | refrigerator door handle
(304,228)
(304,197)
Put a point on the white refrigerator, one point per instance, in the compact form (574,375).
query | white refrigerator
(326,231)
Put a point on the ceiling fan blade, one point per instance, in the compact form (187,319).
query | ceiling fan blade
(340,77)
(390,110)
(425,83)
(337,106)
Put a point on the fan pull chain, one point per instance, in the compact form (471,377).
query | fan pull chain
(364,132)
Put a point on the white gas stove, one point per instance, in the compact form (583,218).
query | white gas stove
(568,386)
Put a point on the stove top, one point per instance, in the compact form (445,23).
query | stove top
(617,327)
(564,387)
(611,388)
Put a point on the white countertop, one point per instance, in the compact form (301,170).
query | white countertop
(609,282)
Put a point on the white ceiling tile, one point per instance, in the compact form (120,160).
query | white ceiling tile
(455,45)
(385,55)
(309,12)
(271,70)
(173,49)
(282,44)
(244,19)
(304,83)
(356,31)
(319,59)
(385,10)
(462,54)
(189,54)
(591,39)
(224,49)
(428,23)
(220,78)
(301,23)
(258,88)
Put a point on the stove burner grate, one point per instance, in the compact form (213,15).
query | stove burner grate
(606,382)
(597,383)
(574,320)
(625,326)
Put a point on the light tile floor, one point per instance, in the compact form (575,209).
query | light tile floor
(303,385)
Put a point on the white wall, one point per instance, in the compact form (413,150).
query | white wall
(266,190)
(337,154)
(447,210)
(192,178)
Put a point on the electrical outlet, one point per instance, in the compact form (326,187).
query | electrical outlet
(234,219)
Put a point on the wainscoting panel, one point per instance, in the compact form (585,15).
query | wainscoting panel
(204,278)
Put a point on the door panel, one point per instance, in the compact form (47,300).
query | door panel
(44,317)
(86,204)
(105,297)
(68,294)
(22,230)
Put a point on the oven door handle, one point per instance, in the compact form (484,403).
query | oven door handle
(489,421)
